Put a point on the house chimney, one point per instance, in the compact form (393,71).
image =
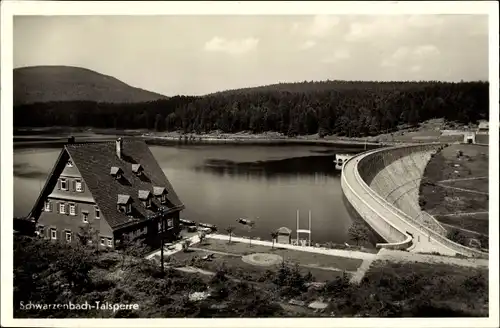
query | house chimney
(71,140)
(119,147)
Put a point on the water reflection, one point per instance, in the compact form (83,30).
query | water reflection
(312,166)
(25,170)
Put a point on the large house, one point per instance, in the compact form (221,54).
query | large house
(107,191)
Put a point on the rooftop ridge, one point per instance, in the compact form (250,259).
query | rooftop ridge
(111,142)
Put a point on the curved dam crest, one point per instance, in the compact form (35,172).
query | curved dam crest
(383,187)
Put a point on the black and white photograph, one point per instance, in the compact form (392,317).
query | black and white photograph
(304,164)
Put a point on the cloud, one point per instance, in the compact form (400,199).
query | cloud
(406,54)
(319,27)
(233,47)
(416,68)
(390,26)
(338,55)
(307,45)
(426,50)
(401,53)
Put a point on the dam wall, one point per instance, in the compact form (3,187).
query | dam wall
(395,176)
(383,187)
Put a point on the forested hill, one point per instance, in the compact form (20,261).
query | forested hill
(332,107)
(66,83)
(337,85)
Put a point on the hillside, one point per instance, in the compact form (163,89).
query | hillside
(329,85)
(65,83)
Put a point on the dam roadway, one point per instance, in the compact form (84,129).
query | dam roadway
(399,230)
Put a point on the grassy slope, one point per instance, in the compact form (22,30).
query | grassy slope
(439,200)
(65,83)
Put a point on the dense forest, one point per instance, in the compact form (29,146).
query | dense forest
(333,107)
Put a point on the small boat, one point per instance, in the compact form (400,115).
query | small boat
(187,222)
(206,230)
(245,221)
(207,225)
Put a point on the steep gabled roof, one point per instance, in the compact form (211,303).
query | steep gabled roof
(95,160)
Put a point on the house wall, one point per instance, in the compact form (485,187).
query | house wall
(148,231)
(83,201)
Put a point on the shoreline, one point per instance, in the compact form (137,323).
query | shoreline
(38,136)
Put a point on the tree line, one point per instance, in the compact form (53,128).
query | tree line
(351,109)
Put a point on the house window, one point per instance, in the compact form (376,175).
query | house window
(64,184)
(53,234)
(47,206)
(78,186)
(110,242)
(163,199)
(147,203)
(69,163)
(97,212)
(68,236)
(160,227)
(170,223)
(103,242)
(118,176)
(125,208)
(85,217)
(72,210)
(62,208)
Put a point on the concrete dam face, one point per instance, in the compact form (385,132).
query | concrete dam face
(395,175)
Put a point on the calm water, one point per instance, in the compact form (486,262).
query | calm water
(220,183)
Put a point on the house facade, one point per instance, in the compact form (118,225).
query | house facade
(104,193)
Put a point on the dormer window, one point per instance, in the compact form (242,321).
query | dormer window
(137,169)
(64,184)
(145,197)
(124,204)
(116,172)
(161,194)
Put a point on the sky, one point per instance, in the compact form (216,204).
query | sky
(196,55)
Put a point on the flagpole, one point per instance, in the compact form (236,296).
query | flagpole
(310,228)
(297,227)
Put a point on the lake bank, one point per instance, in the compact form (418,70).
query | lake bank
(56,135)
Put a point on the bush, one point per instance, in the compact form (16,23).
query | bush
(457,236)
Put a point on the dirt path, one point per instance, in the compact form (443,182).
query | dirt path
(462,179)
(462,189)
(459,228)
(360,273)
(461,213)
